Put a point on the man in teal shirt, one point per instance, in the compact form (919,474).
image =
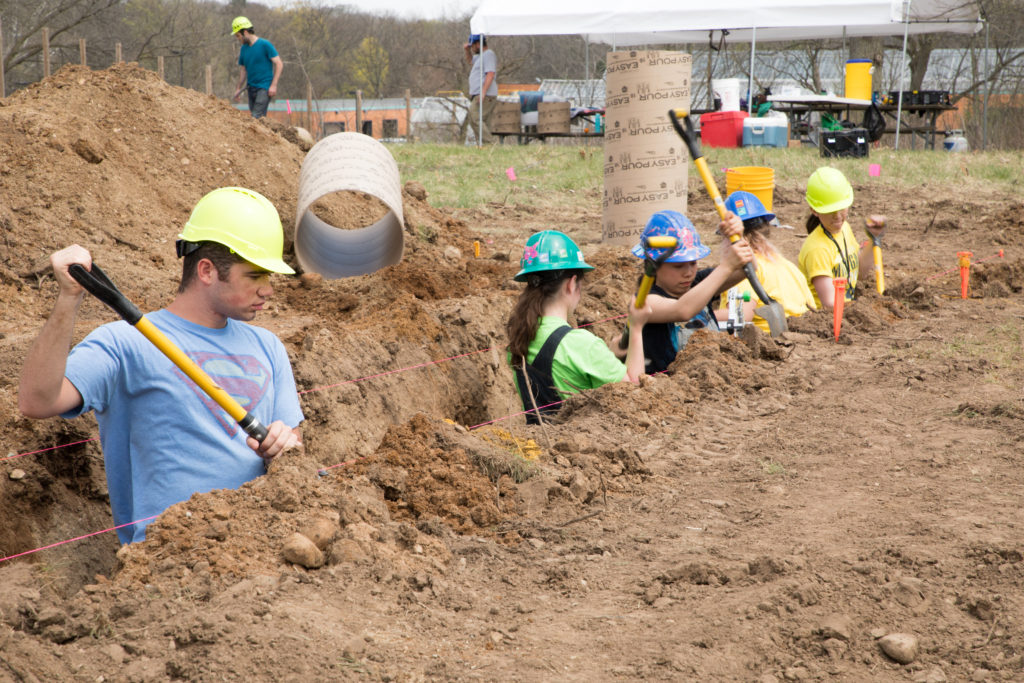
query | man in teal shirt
(261,67)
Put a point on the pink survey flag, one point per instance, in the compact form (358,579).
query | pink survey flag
(511,173)
(288,103)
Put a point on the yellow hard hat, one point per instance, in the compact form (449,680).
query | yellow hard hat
(239,23)
(242,220)
(828,190)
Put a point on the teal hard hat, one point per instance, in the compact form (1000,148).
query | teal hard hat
(550,250)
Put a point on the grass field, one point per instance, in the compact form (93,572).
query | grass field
(464,177)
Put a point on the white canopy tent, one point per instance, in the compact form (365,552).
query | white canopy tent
(660,22)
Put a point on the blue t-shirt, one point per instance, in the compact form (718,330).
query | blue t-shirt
(259,70)
(163,438)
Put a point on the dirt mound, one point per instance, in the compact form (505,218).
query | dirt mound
(997,279)
(764,511)
(720,365)
(869,314)
(426,473)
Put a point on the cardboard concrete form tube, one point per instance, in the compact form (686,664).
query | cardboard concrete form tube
(358,163)
(646,166)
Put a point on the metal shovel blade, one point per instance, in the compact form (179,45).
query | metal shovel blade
(776,317)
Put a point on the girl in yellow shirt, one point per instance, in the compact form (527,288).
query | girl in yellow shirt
(782,280)
(831,249)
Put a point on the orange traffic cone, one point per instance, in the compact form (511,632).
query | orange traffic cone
(965,271)
(837,306)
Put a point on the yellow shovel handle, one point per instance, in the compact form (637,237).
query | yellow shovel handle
(645,289)
(712,188)
(194,372)
(879,273)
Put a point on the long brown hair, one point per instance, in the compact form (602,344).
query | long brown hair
(756,231)
(524,320)
(812,222)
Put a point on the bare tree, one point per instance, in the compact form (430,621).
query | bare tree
(23,25)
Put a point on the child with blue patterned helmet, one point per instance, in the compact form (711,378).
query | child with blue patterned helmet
(781,278)
(682,295)
(550,358)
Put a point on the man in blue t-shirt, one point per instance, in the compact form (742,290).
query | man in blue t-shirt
(163,438)
(261,67)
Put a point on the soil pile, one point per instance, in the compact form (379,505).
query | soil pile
(768,509)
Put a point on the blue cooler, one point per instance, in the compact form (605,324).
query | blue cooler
(770,131)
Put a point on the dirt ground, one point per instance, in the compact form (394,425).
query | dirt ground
(766,511)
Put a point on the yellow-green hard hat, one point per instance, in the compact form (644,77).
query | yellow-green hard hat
(239,23)
(828,190)
(550,250)
(242,220)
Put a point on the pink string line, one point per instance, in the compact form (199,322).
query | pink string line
(321,472)
(328,386)
(393,372)
(957,269)
(51,448)
(77,538)
(521,412)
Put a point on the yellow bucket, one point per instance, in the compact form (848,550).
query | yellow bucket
(858,79)
(757,180)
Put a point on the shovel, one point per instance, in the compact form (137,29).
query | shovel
(772,311)
(99,285)
(876,252)
(650,270)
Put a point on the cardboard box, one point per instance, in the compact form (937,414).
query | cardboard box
(722,128)
(844,143)
(552,117)
(505,118)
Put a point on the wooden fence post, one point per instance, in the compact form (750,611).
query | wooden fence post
(3,84)
(81,52)
(359,111)
(160,66)
(408,115)
(209,79)
(309,109)
(46,52)
(117,53)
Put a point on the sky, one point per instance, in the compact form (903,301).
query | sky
(407,9)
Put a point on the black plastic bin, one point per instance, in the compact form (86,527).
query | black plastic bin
(852,142)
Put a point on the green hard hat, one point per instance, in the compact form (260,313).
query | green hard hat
(550,250)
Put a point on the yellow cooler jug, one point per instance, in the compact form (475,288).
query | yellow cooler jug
(858,79)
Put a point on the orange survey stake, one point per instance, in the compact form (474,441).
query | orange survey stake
(965,271)
(837,305)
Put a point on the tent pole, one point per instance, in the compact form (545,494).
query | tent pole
(988,95)
(903,65)
(750,79)
(482,95)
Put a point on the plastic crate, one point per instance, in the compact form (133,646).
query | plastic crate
(722,128)
(934,96)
